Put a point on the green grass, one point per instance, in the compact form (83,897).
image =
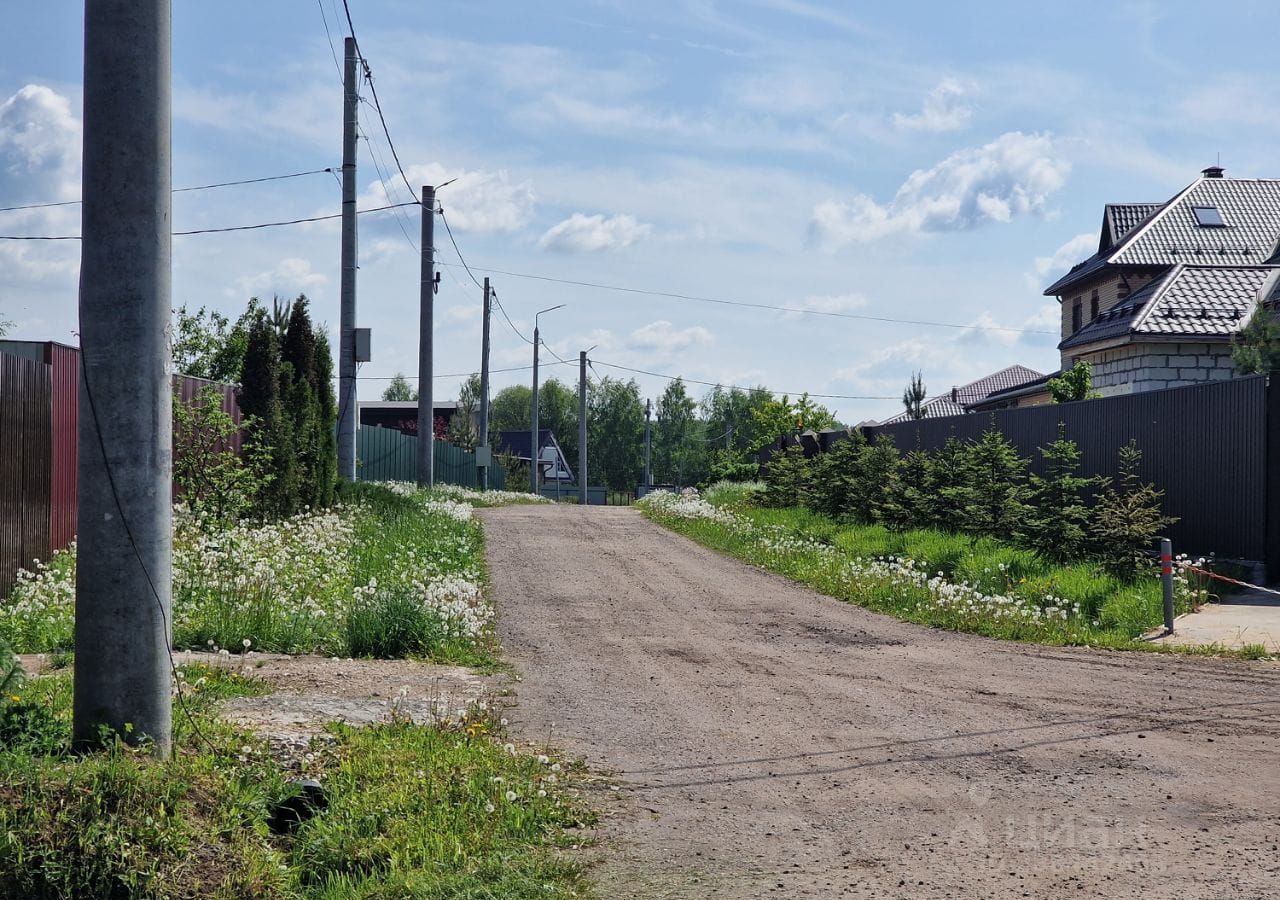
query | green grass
(408,813)
(945,580)
(388,573)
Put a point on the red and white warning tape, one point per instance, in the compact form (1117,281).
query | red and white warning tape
(1218,577)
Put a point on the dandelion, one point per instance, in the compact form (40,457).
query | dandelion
(488,807)
(541,792)
(511,796)
(246,643)
(510,748)
(542,760)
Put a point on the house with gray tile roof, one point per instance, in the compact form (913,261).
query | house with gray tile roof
(1172,283)
(966,397)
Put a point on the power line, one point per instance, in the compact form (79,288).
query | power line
(739,387)
(469,374)
(329,36)
(359,212)
(198,187)
(445,219)
(748,304)
(377,104)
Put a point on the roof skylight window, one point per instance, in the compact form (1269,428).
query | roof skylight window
(1208,217)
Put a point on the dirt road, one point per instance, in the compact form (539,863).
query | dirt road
(771,742)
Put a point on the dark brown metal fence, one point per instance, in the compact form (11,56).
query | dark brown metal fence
(25,389)
(1205,446)
(1214,449)
(39,415)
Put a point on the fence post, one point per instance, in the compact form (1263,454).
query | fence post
(1166,580)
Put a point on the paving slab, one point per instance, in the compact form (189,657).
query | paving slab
(1245,619)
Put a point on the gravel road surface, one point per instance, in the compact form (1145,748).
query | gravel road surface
(768,741)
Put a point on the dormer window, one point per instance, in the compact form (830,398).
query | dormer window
(1208,217)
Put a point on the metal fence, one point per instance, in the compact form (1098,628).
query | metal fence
(25,435)
(39,420)
(386,454)
(1214,449)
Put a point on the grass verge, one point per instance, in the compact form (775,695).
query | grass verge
(413,811)
(933,578)
(390,572)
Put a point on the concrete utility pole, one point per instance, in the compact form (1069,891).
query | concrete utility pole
(648,448)
(486,451)
(426,344)
(347,313)
(533,424)
(533,418)
(582,428)
(125,456)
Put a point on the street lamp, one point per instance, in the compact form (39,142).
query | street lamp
(534,456)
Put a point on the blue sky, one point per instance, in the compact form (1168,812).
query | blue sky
(934,162)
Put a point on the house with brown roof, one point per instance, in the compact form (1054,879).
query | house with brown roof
(969,397)
(1160,302)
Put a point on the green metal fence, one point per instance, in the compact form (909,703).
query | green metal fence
(385,454)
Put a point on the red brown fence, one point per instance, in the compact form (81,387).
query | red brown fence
(39,418)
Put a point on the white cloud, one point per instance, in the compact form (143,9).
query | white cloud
(840,303)
(291,277)
(586,234)
(476,201)
(40,141)
(664,339)
(1011,176)
(1080,247)
(942,111)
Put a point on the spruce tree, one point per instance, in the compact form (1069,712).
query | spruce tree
(950,485)
(1127,518)
(788,478)
(836,476)
(996,504)
(1058,516)
(877,471)
(909,502)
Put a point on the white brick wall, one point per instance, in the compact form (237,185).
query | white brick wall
(1151,367)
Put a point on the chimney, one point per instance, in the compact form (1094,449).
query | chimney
(1212,172)
(955,395)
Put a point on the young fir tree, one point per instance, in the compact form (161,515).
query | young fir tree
(788,479)
(949,485)
(267,431)
(1058,516)
(1127,518)
(998,488)
(836,477)
(909,503)
(877,468)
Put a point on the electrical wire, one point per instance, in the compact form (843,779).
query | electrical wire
(333,51)
(721,384)
(671,295)
(444,219)
(377,104)
(467,374)
(198,187)
(359,212)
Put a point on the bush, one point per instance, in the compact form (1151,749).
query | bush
(215,483)
(876,471)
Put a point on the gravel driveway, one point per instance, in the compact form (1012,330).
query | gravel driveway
(768,741)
